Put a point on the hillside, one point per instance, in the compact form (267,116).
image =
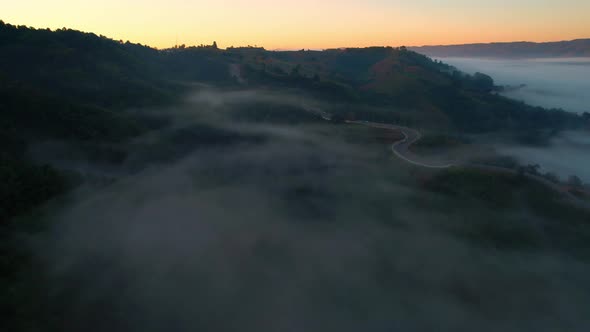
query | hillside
(206,189)
(572,48)
(83,89)
(435,94)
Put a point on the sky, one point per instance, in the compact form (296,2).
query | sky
(315,24)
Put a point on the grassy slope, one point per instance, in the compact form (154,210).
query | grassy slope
(438,95)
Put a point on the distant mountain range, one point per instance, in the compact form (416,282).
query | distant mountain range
(573,48)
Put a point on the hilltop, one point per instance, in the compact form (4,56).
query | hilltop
(571,48)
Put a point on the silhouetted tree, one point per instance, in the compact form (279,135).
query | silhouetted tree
(483,82)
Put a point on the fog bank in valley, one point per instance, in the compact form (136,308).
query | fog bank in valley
(301,229)
(566,155)
(552,83)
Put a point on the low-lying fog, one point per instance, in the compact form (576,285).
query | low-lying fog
(296,227)
(566,155)
(553,83)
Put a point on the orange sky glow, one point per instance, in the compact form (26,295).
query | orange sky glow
(296,24)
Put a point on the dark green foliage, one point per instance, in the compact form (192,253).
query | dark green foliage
(273,113)
(25,185)
(479,82)
(474,111)
(415,82)
(512,212)
(80,67)
(69,86)
(326,89)
(353,62)
(34,114)
(489,188)
(195,64)
(76,87)
(438,141)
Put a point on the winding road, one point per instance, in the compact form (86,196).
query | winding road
(401,150)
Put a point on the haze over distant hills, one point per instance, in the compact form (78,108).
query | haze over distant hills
(572,48)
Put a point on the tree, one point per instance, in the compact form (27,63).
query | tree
(482,82)
(215,45)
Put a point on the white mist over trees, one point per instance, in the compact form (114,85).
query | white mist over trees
(552,83)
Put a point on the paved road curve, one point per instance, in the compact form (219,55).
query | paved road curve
(401,150)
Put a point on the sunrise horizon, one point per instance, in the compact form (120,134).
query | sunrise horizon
(308,25)
(220,42)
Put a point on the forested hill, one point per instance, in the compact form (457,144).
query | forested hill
(572,48)
(78,87)
(72,86)
(82,70)
(437,94)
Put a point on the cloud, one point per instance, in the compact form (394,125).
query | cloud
(566,155)
(551,83)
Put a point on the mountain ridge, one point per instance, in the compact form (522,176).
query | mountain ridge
(521,49)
